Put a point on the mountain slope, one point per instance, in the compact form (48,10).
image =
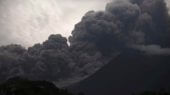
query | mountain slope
(129,73)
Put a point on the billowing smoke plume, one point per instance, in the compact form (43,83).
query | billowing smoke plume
(141,25)
(153,49)
(124,24)
(47,61)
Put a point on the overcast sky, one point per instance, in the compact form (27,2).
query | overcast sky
(28,22)
(31,21)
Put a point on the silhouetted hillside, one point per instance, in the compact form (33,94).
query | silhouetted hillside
(19,86)
(161,92)
(129,73)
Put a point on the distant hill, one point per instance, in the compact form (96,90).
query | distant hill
(19,86)
(131,72)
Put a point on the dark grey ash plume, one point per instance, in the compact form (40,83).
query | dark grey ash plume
(141,25)
(123,24)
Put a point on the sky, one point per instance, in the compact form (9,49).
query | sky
(27,22)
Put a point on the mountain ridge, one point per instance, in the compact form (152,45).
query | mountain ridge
(129,73)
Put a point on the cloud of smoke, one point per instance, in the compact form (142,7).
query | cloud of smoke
(100,36)
(153,49)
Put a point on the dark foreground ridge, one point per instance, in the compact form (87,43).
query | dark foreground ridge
(20,86)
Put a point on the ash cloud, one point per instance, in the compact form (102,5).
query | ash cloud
(125,23)
(100,36)
(153,49)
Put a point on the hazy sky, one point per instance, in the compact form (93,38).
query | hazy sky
(31,21)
